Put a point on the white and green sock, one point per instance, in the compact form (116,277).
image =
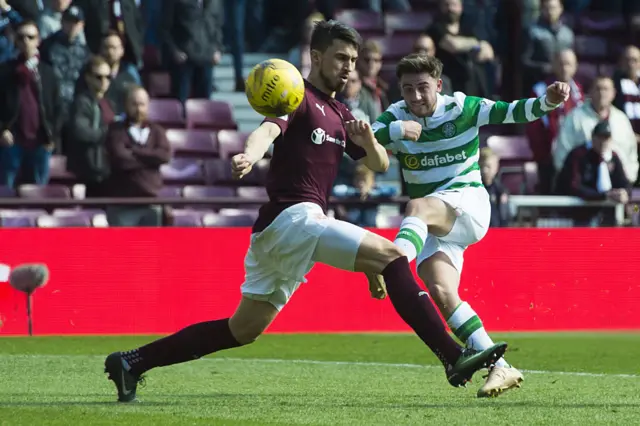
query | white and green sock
(411,237)
(466,325)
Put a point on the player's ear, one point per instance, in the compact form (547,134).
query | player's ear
(316,57)
(439,87)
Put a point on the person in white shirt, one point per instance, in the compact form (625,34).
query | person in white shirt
(578,126)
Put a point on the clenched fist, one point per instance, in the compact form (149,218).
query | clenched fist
(241,165)
(411,130)
(558,92)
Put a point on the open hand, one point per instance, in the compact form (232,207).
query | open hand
(360,133)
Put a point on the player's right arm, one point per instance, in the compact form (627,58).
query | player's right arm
(389,127)
(256,146)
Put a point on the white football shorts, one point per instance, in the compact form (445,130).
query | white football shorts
(473,209)
(282,254)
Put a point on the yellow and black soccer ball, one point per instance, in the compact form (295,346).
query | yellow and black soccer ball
(274,88)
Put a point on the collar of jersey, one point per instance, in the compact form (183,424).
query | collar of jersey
(439,106)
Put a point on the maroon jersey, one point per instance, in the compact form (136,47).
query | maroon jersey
(307,154)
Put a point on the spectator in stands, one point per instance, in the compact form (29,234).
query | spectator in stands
(300,55)
(50,21)
(137,149)
(389,5)
(462,53)
(67,52)
(627,83)
(234,12)
(499,197)
(369,65)
(91,113)
(541,133)
(543,40)
(578,125)
(8,18)
(359,102)
(123,74)
(123,16)
(29,9)
(29,110)
(593,171)
(192,34)
(363,187)
(424,44)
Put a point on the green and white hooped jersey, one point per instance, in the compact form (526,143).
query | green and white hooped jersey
(446,154)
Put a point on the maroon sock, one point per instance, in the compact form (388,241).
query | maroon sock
(418,311)
(190,343)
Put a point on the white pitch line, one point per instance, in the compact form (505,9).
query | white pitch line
(347,363)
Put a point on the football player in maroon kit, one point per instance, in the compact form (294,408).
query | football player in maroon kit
(292,231)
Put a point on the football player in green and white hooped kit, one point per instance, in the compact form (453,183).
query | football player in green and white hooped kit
(435,139)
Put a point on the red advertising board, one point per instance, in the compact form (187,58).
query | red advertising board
(136,281)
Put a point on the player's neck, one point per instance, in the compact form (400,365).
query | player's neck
(319,84)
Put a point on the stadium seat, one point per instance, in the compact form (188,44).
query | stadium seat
(19,218)
(251,212)
(183,170)
(58,170)
(192,191)
(512,150)
(513,179)
(168,113)
(217,171)
(591,23)
(151,58)
(586,73)
(97,217)
(231,142)
(170,192)
(46,191)
(365,21)
(594,48)
(252,192)
(395,47)
(209,114)
(187,218)
(7,192)
(79,220)
(216,220)
(385,221)
(158,84)
(193,143)
(407,22)
(530,177)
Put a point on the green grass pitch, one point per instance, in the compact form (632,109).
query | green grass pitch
(336,379)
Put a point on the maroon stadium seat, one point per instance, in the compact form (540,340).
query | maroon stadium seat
(256,192)
(168,113)
(7,192)
(512,150)
(151,58)
(46,191)
(170,192)
(218,220)
(513,179)
(365,21)
(187,218)
(192,191)
(594,48)
(586,73)
(208,114)
(530,177)
(58,170)
(19,218)
(193,143)
(395,47)
(217,171)
(158,84)
(231,142)
(79,220)
(407,22)
(183,170)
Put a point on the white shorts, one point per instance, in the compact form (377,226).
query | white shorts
(473,209)
(282,254)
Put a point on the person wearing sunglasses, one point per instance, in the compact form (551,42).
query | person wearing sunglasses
(29,111)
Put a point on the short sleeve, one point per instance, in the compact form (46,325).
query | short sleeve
(353,151)
(284,121)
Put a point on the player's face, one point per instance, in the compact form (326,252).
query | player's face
(335,64)
(420,92)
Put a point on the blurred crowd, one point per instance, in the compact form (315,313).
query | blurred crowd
(79,78)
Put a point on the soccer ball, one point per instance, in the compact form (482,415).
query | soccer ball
(274,88)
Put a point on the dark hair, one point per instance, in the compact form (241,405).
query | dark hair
(26,23)
(419,63)
(113,33)
(325,32)
(94,62)
(601,77)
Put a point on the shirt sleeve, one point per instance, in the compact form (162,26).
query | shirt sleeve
(352,150)
(284,121)
(500,112)
(387,127)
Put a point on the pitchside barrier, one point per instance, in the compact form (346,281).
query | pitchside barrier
(157,280)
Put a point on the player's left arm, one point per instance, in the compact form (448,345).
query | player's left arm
(520,111)
(375,155)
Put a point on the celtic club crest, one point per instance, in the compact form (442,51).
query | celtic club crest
(449,129)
